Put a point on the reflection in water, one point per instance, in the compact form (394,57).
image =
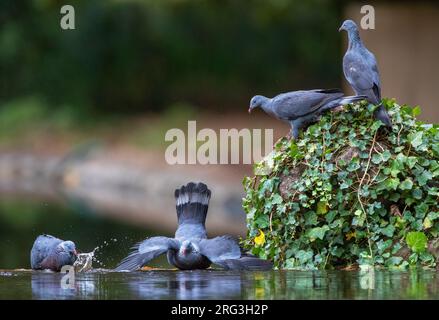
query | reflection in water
(214,284)
(47,285)
(190,285)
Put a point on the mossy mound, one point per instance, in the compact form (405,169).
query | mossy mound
(349,192)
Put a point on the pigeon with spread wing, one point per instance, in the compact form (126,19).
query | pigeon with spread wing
(190,248)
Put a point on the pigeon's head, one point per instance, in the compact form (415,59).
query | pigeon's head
(349,26)
(256,101)
(69,248)
(188,247)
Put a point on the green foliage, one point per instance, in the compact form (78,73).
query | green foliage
(127,57)
(349,192)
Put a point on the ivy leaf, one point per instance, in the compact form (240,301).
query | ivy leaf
(388,231)
(304,256)
(392,183)
(277,199)
(417,241)
(386,155)
(427,223)
(295,152)
(376,125)
(407,184)
(317,233)
(424,177)
(377,158)
(262,221)
(411,161)
(322,207)
(416,111)
(415,138)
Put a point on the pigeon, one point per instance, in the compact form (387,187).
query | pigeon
(303,107)
(52,253)
(190,249)
(361,71)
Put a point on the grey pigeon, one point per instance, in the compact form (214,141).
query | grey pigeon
(190,248)
(301,108)
(52,253)
(361,71)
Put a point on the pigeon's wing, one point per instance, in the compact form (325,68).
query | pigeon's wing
(220,248)
(296,104)
(43,247)
(145,251)
(361,74)
(225,252)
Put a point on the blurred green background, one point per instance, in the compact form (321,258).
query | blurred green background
(128,57)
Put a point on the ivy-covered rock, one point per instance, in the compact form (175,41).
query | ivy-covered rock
(349,192)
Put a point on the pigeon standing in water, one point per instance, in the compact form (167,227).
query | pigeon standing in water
(361,71)
(52,253)
(190,248)
(301,108)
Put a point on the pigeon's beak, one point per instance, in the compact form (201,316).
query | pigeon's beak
(340,29)
(249,110)
(76,252)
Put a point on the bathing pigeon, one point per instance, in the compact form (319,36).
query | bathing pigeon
(190,248)
(361,71)
(52,253)
(301,108)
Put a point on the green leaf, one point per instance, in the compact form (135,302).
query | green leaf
(262,222)
(392,183)
(417,193)
(424,177)
(415,138)
(295,152)
(388,231)
(417,241)
(386,155)
(411,161)
(277,199)
(304,256)
(407,184)
(416,111)
(317,233)
(376,125)
(322,207)
(427,224)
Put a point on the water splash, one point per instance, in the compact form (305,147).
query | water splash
(84,261)
(100,250)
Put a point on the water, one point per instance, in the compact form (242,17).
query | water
(214,284)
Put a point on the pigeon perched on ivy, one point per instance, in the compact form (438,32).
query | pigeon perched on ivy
(361,71)
(301,108)
(190,248)
(52,253)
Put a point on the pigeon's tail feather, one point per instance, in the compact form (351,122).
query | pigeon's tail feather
(192,202)
(351,99)
(246,262)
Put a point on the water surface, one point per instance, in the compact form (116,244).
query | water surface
(215,284)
